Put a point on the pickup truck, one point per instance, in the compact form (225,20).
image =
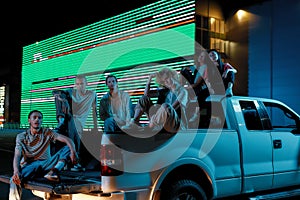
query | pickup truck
(241,147)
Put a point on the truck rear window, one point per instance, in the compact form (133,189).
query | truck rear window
(212,116)
(251,115)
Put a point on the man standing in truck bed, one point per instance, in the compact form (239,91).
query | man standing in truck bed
(72,109)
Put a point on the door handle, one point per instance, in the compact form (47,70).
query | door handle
(277,144)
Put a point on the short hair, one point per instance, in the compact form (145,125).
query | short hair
(110,76)
(81,76)
(30,113)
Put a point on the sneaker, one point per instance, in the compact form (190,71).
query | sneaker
(228,92)
(66,167)
(52,175)
(132,125)
(77,168)
(194,118)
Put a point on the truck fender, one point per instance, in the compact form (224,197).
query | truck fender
(186,163)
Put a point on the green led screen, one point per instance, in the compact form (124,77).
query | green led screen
(130,46)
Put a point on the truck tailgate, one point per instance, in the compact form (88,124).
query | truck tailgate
(71,183)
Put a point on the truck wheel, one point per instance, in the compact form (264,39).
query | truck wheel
(182,190)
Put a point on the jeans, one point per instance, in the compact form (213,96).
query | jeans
(68,129)
(110,125)
(164,116)
(37,168)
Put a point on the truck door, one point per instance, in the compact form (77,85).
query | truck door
(286,144)
(256,147)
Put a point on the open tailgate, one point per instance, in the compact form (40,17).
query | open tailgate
(71,183)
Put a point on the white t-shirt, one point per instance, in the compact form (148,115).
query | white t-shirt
(81,107)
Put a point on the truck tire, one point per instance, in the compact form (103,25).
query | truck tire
(182,190)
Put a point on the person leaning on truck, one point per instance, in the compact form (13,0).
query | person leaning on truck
(72,110)
(115,106)
(32,157)
(170,111)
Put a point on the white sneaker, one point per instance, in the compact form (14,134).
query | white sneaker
(194,118)
(77,168)
(132,125)
(52,175)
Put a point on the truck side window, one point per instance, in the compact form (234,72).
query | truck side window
(280,116)
(251,115)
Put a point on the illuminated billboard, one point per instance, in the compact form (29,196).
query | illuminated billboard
(130,45)
(2,101)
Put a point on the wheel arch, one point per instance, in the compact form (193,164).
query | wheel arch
(186,170)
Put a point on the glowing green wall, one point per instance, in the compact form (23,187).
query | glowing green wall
(130,52)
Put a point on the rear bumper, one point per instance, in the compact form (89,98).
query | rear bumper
(121,195)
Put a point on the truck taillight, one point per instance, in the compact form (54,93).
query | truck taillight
(111,160)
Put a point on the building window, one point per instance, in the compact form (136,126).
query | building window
(210,33)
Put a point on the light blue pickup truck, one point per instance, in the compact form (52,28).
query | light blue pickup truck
(242,147)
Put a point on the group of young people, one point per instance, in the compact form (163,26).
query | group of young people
(33,154)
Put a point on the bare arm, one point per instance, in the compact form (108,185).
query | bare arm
(147,88)
(181,99)
(16,166)
(128,110)
(70,144)
(198,82)
(175,104)
(200,77)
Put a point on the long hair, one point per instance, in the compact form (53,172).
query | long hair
(206,58)
(219,61)
(169,73)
